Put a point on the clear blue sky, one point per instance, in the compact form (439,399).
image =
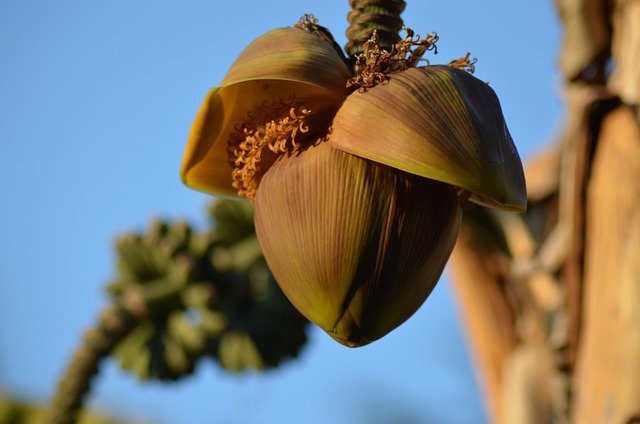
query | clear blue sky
(96,100)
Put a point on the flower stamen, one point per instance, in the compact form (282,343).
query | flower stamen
(464,63)
(273,126)
(372,67)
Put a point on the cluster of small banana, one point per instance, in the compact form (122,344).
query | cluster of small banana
(202,294)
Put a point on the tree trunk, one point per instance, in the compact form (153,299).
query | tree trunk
(551,299)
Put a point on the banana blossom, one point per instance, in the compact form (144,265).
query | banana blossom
(358,180)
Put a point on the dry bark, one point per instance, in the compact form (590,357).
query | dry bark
(551,298)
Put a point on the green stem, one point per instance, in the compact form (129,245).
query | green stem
(113,325)
(367,16)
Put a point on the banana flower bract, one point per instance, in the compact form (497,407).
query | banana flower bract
(357,191)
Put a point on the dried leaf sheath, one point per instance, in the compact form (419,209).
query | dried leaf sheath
(360,245)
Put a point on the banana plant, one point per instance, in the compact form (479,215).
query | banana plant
(358,163)
(180,295)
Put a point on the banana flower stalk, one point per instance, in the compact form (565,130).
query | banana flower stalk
(357,173)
